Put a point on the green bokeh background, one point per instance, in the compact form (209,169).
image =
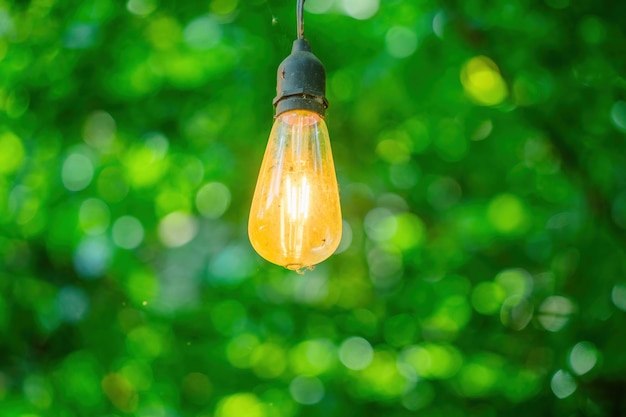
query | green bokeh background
(479,149)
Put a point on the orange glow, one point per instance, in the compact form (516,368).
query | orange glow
(295,219)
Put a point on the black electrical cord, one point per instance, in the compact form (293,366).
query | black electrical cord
(300,15)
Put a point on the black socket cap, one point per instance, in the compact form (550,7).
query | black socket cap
(301,81)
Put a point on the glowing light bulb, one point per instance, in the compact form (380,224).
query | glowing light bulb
(295,219)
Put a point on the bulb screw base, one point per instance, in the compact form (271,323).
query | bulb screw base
(301,81)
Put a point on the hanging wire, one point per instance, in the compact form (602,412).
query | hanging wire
(300,15)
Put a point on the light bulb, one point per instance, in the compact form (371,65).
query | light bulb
(295,219)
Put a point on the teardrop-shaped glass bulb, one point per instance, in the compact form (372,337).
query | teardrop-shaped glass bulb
(295,219)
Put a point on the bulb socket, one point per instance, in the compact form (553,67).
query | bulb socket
(301,81)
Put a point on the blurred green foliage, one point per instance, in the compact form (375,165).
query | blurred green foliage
(480,154)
